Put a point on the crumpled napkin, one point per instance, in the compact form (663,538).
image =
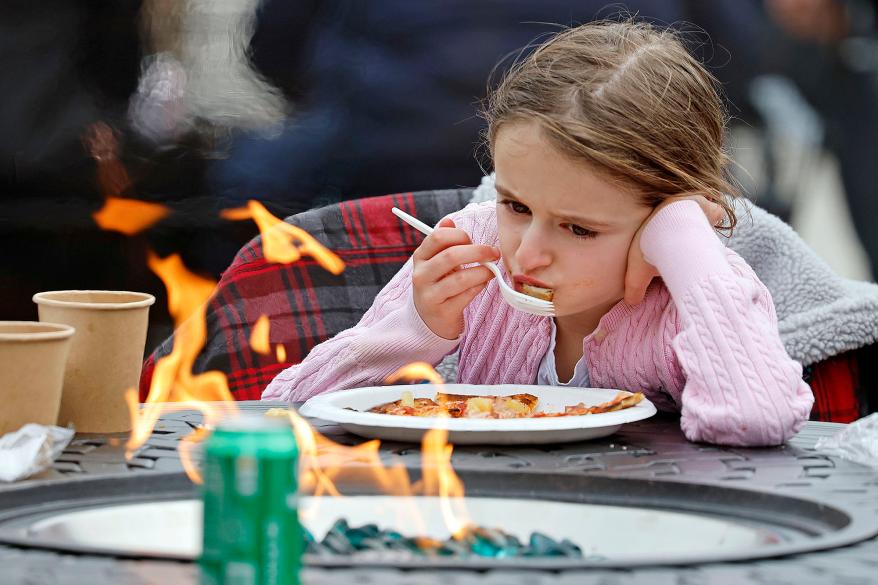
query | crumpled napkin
(858,442)
(31,449)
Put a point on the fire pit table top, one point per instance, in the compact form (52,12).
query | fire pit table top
(652,449)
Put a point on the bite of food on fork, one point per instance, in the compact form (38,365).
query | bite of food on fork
(533,287)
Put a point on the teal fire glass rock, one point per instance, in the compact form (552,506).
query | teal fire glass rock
(502,544)
(392,535)
(395,541)
(336,539)
(342,539)
(356,536)
(453,548)
(485,543)
(543,546)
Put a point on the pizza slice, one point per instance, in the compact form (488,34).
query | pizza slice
(575,410)
(620,401)
(408,405)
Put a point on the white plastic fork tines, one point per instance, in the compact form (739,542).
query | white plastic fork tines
(517,300)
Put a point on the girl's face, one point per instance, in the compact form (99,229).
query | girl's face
(562,225)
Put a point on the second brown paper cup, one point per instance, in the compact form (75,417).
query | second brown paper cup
(105,357)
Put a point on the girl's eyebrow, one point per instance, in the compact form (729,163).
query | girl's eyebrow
(505,192)
(571,218)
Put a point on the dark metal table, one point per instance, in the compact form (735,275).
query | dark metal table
(653,449)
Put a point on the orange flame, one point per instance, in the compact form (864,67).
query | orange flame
(129,216)
(281,353)
(416,371)
(439,479)
(259,336)
(185,448)
(173,381)
(283,242)
(187,292)
(323,462)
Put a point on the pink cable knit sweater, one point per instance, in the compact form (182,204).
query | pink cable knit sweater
(703,342)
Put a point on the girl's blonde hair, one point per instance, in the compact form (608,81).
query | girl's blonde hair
(629,99)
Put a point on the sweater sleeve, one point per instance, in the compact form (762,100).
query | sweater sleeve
(741,387)
(390,335)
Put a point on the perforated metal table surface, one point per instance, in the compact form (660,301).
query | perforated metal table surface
(653,449)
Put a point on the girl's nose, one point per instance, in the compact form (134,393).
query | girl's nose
(533,252)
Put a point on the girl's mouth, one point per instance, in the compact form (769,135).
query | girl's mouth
(533,287)
(520,279)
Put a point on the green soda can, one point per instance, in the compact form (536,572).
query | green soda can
(252,534)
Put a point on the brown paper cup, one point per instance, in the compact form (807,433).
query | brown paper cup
(105,357)
(32,358)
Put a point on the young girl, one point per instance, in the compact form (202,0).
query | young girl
(610,172)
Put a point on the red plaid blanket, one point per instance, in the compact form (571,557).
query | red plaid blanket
(306,304)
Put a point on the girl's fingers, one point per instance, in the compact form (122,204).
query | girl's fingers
(459,303)
(452,258)
(449,285)
(429,272)
(444,236)
(458,282)
(713,211)
(718,216)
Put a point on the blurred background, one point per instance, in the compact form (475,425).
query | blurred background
(200,105)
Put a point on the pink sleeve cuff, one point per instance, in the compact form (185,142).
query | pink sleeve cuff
(403,333)
(683,247)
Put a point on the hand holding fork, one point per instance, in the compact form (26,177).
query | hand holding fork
(442,289)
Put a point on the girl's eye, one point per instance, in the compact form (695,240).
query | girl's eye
(581,232)
(517,207)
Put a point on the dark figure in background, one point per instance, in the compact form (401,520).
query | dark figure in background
(66,66)
(386,93)
(830,50)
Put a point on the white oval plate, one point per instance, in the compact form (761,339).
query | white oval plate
(335,407)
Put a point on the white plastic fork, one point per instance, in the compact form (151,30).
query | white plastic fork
(517,300)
